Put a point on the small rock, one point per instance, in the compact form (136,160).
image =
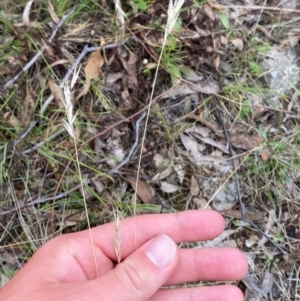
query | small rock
(226,198)
(282,72)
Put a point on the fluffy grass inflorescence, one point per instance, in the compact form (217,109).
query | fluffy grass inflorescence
(68,102)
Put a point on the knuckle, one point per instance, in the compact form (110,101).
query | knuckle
(131,279)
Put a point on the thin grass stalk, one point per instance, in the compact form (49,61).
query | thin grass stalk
(173,13)
(69,125)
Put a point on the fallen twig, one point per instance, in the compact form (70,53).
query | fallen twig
(10,83)
(238,190)
(42,200)
(133,147)
(38,145)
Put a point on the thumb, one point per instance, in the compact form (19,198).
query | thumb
(141,274)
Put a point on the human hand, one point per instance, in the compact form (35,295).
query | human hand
(64,268)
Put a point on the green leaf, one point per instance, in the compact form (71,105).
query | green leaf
(225,21)
(175,72)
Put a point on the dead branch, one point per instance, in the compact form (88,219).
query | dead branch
(238,190)
(133,147)
(42,200)
(10,83)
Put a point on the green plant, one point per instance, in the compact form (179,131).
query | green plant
(142,5)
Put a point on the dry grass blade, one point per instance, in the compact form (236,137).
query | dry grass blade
(173,13)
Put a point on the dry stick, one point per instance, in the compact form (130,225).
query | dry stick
(42,200)
(259,7)
(238,190)
(10,83)
(47,102)
(133,147)
(38,145)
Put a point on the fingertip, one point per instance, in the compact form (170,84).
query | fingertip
(212,223)
(223,293)
(239,264)
(242,266)
(218,220)
(232,293)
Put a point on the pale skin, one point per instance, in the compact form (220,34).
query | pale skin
(64,268)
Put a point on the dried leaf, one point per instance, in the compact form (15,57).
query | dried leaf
(3,278)
(71,218)
(267,282)
(158,160)
(192,146)
(210,141)
(265,31)
(245,141)
(12,120)
(28,111)
(92,71)
(238,43)
(224,40)
(166,162)
(250,242)
(189,74)
(52,12)
(217,62)
(293,40)
(57,92)
(198,129)
(251,216)
(194,187)
(202,203)
(180,172)
(113,77)
(98,185)
(265,154)
(131,68)
(143,190)
(209,12)
(190,34)
(268,227)
(167,187)
(217,43)
(116,152)
(163,174)
(183,88)
(49,50)
(217,241)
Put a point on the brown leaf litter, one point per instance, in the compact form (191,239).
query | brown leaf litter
(144,190)
(92,71)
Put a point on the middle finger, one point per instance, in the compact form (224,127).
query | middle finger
(209,264)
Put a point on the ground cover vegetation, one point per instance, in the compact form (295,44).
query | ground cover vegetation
(204,117)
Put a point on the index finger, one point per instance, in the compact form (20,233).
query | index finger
(193,225)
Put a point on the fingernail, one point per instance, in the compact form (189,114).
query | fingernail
(161,251)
